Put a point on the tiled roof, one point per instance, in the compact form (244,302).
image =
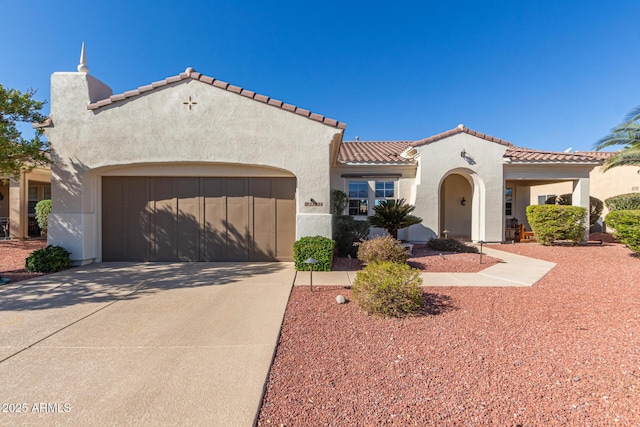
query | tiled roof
(380,152)
(460,129)
(190,73)
(602,155)
(525,155)
(388,152)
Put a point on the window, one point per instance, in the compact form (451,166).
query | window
(33,200)
(46,192)
(542,198)
(508,201)
(358,198)
(361,198)
(384,191)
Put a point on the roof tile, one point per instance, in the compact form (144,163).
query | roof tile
(221,84)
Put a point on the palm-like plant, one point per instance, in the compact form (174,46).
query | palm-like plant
(392,215)
(626,134)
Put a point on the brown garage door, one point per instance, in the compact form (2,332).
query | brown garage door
(197,219)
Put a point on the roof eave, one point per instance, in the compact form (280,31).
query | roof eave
(191,74)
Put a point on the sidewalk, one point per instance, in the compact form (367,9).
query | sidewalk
(514,270)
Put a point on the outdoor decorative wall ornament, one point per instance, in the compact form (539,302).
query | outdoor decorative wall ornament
(463,154)
(190,103)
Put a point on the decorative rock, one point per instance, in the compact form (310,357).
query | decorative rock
(341,299)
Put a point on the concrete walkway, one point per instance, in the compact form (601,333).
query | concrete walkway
(514,270)
(141,344)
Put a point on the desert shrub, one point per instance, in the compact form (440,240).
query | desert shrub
(317,247)
(388,289)
(48,260)
(595,206)
(623,202)
(382,248)
(347,230)
(43,209)
(393,215)
(627,227)
(557,222)
(450,245)
(338,202)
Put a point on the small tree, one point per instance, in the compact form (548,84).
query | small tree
(392,215)
(338,202)
(43,209)
(16,152)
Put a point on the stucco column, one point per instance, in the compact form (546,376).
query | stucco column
(18,207)
(581,198)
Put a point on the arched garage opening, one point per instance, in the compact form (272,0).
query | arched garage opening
(199,218)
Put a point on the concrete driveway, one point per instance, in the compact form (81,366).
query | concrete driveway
(141,344)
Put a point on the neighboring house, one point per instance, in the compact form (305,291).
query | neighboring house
(18,198)
(191,168)
(619,180)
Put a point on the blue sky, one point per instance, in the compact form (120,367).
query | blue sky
(541,74)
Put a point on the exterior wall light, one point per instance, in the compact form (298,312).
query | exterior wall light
(463,202)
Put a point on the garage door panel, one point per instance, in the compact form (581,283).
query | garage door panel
(188,230)
(237,230)
(164,219)
(214,215)
(284,191)
(137,213)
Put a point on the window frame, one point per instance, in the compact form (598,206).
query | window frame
(371,198)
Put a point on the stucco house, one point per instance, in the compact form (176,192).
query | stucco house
(18,198)
(191,168)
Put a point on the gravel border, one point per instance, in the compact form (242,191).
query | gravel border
(563,352)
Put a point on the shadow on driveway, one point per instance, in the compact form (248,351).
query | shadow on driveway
(111,281)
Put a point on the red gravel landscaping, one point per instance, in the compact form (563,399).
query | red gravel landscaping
(430,261)
(565,352)
(13,254)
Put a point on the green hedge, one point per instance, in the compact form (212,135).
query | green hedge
(48,260)
(317,247)
(347,230)
(623,202)
(595,205)
(627,227)
(557,222)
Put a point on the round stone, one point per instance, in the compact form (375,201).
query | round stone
(341,299)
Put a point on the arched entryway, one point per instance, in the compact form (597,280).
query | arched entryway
(456,206)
